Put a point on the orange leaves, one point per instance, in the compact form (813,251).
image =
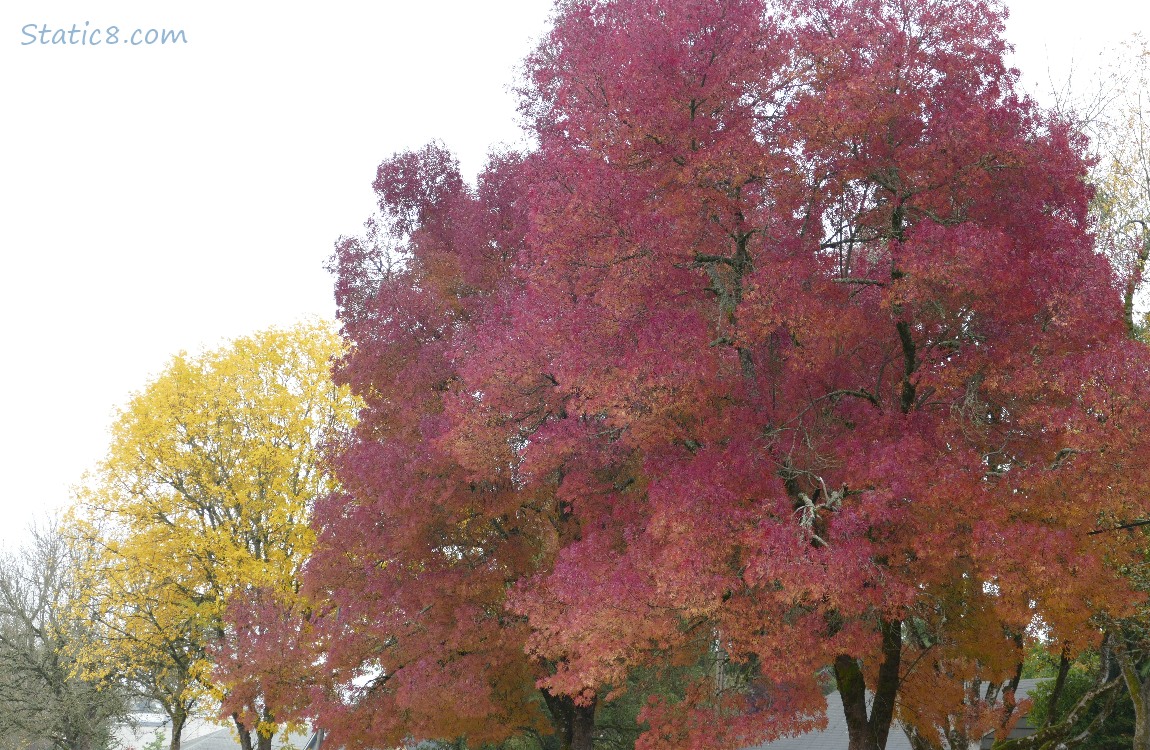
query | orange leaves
(788,331)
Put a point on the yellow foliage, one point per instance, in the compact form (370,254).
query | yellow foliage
(205,494)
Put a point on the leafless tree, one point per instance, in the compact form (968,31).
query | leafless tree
(44,702)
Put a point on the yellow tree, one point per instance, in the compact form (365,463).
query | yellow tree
(203,500)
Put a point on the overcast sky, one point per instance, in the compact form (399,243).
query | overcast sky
(167,197)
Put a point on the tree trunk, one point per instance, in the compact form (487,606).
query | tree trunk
(574,724)
(1055,735)
(852,691)
(1134,281)
(870,733)
(1139,690)
(79,740)
(1059,684)
(583,727)
(244,733)
(918,741)
(264,734)
(1142,717)
(179,719)
(1009,699)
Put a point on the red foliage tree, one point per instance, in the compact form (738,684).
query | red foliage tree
(789,332)
(410,636)
(816,290)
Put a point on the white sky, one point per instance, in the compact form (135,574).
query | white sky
(159,198)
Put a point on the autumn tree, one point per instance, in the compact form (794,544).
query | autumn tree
(410,634)
(961,684)
(815,288)
(1122,203)
(1104,722)
(413,561)
(1113,109)
(1110,110)
(43,699)
(203,501)
(143,636)
(789,340)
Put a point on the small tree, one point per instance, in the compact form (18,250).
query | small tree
(43,699)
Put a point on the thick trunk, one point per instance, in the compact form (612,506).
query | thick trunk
(583,727)
(179,719)
(244,733)
(574,724)
(266,732)
(852,691)
(1139,690)
(886,690)
(1142,717)
(870,732)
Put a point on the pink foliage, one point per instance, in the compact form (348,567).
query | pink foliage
(791,323)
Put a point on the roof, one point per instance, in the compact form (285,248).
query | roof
(225,739)
(221,739)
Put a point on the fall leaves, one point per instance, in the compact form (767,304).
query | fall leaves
(203,503)
(785,349)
